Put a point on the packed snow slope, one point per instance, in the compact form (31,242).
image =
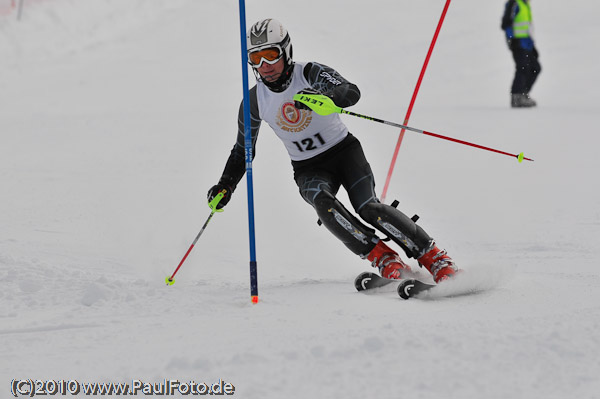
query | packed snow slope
(117,117)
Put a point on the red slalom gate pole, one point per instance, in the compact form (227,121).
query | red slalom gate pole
(412,102)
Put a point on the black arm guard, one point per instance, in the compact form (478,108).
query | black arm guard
(329,82)
(235,168)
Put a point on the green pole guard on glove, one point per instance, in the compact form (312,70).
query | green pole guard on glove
(215,201)
(319,103)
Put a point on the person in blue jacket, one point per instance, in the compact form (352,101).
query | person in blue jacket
(516,23)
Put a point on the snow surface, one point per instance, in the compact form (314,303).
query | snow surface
(117,116)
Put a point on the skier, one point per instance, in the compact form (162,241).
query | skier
(516,23)
(325,156)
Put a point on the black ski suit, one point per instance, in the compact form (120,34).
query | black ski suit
(319,177)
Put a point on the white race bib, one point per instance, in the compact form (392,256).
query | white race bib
(303,132)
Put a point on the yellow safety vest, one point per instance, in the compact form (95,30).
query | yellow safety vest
(522,21)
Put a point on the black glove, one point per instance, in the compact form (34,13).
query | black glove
(216,189)
(308,90)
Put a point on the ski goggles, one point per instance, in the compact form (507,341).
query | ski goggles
(270,55)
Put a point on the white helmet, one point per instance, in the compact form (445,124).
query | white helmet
(268,34)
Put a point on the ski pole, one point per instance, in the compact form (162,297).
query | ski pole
(213,206)
(324,105)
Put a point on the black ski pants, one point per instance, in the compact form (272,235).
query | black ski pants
(319,180)
(527,69)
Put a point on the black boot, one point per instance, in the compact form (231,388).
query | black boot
(521,100)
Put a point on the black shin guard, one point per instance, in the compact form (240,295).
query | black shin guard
(359,238)
(399,227)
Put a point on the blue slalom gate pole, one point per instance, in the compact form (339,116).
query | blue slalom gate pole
(249,156)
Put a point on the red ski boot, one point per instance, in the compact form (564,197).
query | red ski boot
(439,264)
(387,261)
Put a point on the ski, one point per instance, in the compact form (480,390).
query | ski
(369,280)
(411,287)
(406,288)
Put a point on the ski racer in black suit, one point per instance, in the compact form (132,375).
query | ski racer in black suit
(325,156)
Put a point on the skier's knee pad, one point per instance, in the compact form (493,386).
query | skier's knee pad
(397,226)
(359,238)
(323,201)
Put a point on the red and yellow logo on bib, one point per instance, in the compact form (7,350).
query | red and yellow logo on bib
(292,119)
